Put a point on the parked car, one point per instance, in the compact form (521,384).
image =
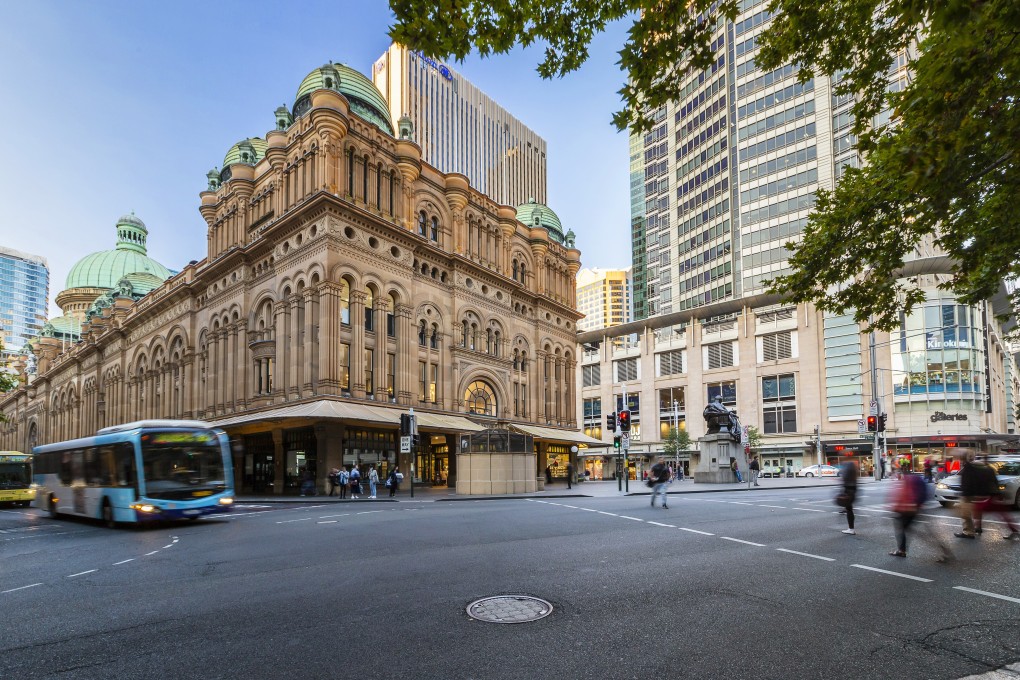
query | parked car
(770,471)
(1007,470)
(818,471)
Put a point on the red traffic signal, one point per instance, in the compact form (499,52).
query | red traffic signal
(872,423)
(624,417)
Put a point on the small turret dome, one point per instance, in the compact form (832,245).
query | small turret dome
(248,151)
(535,214)
(365,98)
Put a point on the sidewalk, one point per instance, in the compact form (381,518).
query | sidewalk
(606,489)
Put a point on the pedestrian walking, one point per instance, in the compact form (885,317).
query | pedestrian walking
(373,480)
(334,480)
(846,499)
(755,468)
(308,482)
(393,481)
(881,467)
(570,475)
(974,495)
(908,497)
(342,479)
(355,481)
(659,480)
(995,503)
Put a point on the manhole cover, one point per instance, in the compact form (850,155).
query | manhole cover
(509,609)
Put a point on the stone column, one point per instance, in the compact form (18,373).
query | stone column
(381,306)
(278,461)
(294,360)
(311,354)
(329,334)
(187,397)
(281,334)
(406,356)
(358,343)
(230,376)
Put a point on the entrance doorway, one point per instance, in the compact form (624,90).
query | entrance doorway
(259,464)
(432,464)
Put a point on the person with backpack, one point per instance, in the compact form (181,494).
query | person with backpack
(393,481)
(909,495)
(355,481)
(659,479)
(342,479)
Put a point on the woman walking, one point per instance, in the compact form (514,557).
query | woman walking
(849,495)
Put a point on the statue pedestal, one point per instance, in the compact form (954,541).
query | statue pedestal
(714,462)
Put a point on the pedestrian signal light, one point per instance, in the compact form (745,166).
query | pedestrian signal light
(624,421)
(872,423)
(616,443)
(611,422)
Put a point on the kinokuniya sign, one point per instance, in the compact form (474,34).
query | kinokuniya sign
(849,448)
(939,417)
(936,341)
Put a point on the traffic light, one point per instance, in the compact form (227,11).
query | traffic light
(611,422)
(872,423)
(624,421)
(409,427)
(616,443)
(881,423)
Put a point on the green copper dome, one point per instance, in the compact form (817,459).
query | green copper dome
(534,214)
(248,151)
(105,268)
(365,98)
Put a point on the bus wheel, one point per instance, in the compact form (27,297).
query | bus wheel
(108,514)
(53,507)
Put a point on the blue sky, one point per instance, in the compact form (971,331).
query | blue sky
(112,106)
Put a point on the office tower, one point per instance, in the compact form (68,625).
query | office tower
(24,292)
(603,296)
(461,129)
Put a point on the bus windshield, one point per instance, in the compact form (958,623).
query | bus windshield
(182,464)
(15,475)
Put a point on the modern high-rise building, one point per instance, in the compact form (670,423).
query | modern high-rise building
(461,129)
(729,173)
(604,297)
(24,294)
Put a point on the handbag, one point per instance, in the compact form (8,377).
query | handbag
(842,500)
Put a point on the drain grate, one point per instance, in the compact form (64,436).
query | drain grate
(509,609)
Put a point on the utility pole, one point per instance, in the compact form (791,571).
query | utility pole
(875,452)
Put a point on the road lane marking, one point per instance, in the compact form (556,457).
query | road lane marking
(660,524)
(151,553)
(288,521)
(633,518)
(737,540)
(804,554)
(368,512)
(131,559)
(572,507)
(328,521)
(892,573)
(82,573)
(347,513)
(811,510)
(611,514)
(781,507)
(987,594)
(21,588)
(740,503)
(695,531)
(167,546)
(588,509)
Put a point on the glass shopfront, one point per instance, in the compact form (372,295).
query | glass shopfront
(259,467)
(363,447)
(938,351)
(300,458)
(939,452)
(558,457)
(432,461)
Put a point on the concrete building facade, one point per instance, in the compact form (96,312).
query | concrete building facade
(346,280)
(604,297)
(461,129)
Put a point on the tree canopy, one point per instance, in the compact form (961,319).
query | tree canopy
(942,174)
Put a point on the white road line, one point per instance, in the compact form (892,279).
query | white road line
(21,588)
(572,507)
(781,507)
(740,503)
(660,524)
(633,518)
(151,553)
(611,514)
(737,540)
(588,509)
(811,510)
(82,573)
(369,512)
(893,573)
(695,531)
(343,515)
(168,546)
(328,521)
(288,521)
(804,554)
(987,594)
(131,559)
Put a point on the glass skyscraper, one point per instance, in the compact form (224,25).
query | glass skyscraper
(24,295)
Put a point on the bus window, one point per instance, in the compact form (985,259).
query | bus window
(92,474)
(66,473)
(125,461)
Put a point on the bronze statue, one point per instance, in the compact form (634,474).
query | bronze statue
(719,418)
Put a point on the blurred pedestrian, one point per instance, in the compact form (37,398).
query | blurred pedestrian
(881,467)
(974,495)
(393,481)
(846,499)
(928,470)
(659,480)
(355,477)
(755,468)
(570,475)
(908,497)
(373,480)
(996,502)
(331,478)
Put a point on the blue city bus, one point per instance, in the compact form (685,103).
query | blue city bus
(146,471)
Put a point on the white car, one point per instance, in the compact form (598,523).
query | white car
(1007,470)
(818,471)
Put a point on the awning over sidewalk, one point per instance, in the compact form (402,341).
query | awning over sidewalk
(557,435)
(330,409)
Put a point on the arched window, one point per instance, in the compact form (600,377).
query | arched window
(480,399)
(464,334)
(474,336)
(350,172)
(517,360)
(523,273)
(364,180)
(515,270)
(378,187)
(434,234)
(345,302)
(434,338)
(369,311)
(495,344)
(393,181)
(421,334)
(488,341)
(391,319)
(422,223)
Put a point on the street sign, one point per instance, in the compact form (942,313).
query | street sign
(405,444)
(743,436)
(874,408)
(862,426)
(625,441)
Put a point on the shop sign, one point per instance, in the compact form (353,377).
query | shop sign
(849,448)
(934,342)
(441,68)
(939,417)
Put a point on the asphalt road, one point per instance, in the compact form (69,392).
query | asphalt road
(757,584)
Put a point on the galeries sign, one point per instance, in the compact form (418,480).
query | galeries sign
(939,416)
